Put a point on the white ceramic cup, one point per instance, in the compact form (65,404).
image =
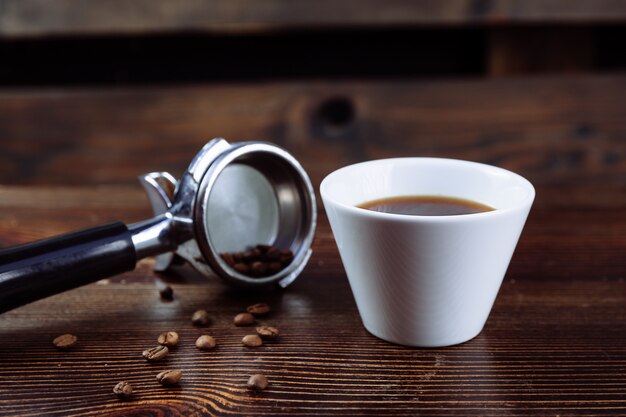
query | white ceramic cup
(425,280)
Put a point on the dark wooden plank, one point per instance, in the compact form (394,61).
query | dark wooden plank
(35,213)
(555,343)
(554,130)
(556,50)
(21,18)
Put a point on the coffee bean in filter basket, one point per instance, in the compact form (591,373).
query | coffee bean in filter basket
(232,196)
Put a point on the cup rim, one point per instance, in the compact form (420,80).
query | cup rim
(526,202)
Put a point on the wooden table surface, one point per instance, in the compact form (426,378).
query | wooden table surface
(554,344)
(533,86)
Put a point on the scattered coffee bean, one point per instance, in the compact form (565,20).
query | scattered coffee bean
(123,390)
(252,340)
(200,318)
(166,292)
(259,309)
(257,382)
(267,332)
(260,261)
(168,339)
(205,342)
(65,341)
(243,319)
(169,377)
(155,353)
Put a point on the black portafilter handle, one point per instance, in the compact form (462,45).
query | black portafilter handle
(36,270)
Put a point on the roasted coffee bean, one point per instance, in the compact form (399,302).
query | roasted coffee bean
(155,353)
(264,248)
(259,309)
(242,268)
(273,254)
(169,377)
(257,382)
(286,257)
(200,318)
(65,341)
(252,340)
(205,342)
(247,256)
(258,269)
(166,292)
(243,319)
(251,255)
(123,390)
(267,332)
(228,258)
(168,339)
(260,261)
(274,267)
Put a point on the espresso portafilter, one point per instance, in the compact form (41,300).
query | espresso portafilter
(232,196)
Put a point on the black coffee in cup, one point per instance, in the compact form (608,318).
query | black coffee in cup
(426,205)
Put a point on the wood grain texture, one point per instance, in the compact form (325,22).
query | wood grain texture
(555,50)
(67,17)
(553,130)
(555,343)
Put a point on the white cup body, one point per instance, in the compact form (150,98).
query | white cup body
(425,280)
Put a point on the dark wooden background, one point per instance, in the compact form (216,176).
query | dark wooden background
(93,94)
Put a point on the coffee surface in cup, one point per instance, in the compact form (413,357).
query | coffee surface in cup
(426,205)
